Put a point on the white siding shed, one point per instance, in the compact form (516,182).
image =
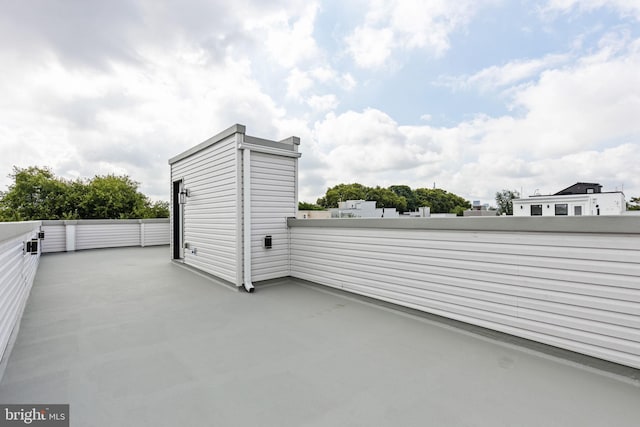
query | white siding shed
(216,184)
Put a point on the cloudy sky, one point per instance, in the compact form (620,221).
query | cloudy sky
(472,96)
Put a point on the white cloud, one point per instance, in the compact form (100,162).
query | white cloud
(347,82)
(590,104)
(578,123)
(513,72)
(323,102)
(144,80)
(367,147)
(323,73)
(370,47)
(406,25)
(582,106)
(624,7)
(298,82)
(130,120)
(291,44)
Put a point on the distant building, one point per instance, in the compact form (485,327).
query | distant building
(313,214)
(478,209)
(362,209)
(422,212)
(582,198)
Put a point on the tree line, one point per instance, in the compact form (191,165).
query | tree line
(37,194)
(401,197)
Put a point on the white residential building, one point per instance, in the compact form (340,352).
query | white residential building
(576,200)
(362,209)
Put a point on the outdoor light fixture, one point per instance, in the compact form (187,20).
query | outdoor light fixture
(184,193)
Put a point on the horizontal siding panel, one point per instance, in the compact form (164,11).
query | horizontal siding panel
(535,285)
(448,283)
(526,245)
(17,272)
(202,158)
(273,195)
(55,238)
(487,272)
(205,179)
(222,239)
(543,239)
(218,155)
(107,235)
(204,214)
(497,303)
(502,320)
(200,196)
(217,269)
(509,261)
(210,213)
(156,234)
(272,257)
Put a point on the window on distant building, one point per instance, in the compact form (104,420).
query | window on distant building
(590,190)
(536,210)
(577,210)
(562,209)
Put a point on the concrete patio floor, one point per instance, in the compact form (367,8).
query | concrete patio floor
(129,339)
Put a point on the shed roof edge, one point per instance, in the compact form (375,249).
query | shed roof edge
(237,128)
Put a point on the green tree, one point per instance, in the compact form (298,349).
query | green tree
(342,192)
(304,206)
(634,204)
(401,197)
(504,200)
(35,194)
(158,209)
(385,198)
(113,197)
(441,201)
(38,194)
(408,194)
(76,191)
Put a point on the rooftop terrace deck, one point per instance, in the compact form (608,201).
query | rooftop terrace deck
(128,338)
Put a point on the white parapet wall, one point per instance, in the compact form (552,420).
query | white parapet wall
(71,235)
(17,271)
(18,267)
(568,282)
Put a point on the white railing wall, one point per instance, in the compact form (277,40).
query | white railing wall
(17,271)
(18,268)
(71,235)
(573,283)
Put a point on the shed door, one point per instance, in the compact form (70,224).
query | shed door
(178,223)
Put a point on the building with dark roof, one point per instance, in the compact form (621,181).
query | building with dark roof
(579,199)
